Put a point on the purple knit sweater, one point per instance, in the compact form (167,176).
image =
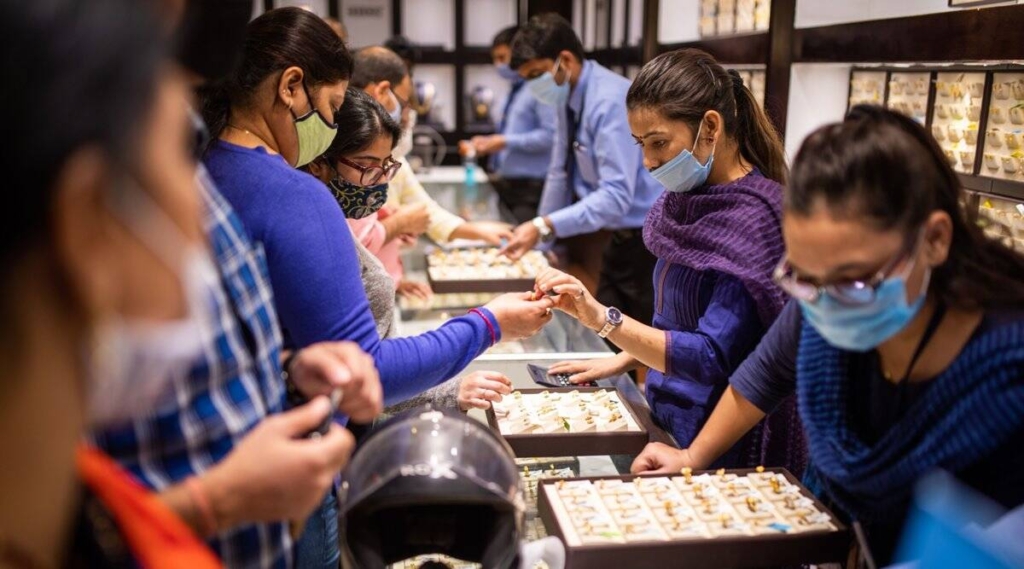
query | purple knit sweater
(732,228)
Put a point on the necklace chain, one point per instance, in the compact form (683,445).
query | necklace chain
(250,133)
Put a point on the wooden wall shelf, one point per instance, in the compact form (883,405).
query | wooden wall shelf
(465,56)
(957,35)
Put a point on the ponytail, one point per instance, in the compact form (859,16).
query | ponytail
(758,140)
(683,85)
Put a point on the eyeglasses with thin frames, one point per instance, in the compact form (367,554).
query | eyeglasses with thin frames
(849,292)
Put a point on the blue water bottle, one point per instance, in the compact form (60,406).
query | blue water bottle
(469,163)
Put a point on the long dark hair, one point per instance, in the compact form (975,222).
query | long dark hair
(684,84)
(81,74)
(887,169)
(362,119)
(275,41)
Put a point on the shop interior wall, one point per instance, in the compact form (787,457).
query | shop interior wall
(818,95)
(811,13)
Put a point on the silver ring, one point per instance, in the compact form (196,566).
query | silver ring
(547,312)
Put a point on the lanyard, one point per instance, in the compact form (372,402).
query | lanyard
(929,332)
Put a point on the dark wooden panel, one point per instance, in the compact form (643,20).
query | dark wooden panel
(780,55)
(649,43)
(620,56)
(563,7)
(467,55)
(957,35)
(460,68)
(610,12)
(737,49)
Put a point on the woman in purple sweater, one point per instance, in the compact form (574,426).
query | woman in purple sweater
(273,117)
(716,233)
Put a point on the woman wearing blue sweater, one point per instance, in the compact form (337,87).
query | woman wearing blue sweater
(905,343)
(275,115)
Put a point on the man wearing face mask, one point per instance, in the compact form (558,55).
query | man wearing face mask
(221,451)
(596,180)
(520,153)
(410,211)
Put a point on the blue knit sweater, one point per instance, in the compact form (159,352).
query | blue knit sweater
(314,271)
(970,411)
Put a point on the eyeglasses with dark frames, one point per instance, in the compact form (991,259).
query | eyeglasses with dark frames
(371,175)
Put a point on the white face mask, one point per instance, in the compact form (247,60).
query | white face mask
(137,361)
(404,146)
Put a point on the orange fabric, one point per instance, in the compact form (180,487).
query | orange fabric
(157,537)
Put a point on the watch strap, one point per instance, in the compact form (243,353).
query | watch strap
(610,324)
(546,233)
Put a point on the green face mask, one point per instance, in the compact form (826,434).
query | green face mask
(315,136)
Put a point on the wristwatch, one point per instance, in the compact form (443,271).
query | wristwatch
(546,235)
(612,320)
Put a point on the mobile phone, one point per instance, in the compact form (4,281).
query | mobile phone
(540,377)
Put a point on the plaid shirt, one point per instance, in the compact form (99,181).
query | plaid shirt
(230,390)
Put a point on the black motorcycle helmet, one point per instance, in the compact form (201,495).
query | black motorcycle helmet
(431,482)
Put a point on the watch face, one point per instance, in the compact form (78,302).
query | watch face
(614,316)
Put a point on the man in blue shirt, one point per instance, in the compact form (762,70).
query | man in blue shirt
(596,180)
(520,153)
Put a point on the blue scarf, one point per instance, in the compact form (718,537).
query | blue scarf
(968,411)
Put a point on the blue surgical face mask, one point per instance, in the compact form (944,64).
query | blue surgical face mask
(864,328)
(507,73)
(358,201)
(547,91)
(684,172)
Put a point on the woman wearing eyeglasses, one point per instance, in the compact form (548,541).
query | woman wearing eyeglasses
(905,341)
(357,168)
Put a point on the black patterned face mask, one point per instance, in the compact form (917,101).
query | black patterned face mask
(358,201)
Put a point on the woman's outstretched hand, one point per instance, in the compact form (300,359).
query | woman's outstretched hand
(570,296)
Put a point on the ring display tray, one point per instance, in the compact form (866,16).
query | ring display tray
(481,269)
(582,421)
(737,518)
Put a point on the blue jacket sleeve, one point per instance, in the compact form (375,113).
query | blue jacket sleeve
(618,160)
(314,271)
(725,334)
(540,139)
(768,376)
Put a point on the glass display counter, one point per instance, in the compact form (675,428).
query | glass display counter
(564,338)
